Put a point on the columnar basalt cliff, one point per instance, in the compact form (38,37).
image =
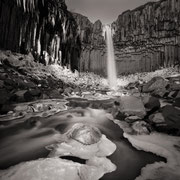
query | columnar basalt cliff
(145,38)
(148,37)
(44,27)
(93,54)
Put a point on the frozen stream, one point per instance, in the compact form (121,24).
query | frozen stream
(25,139)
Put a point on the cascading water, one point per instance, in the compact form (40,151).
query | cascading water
(111,66)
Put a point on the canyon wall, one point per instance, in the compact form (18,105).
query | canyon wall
(44,27)
(145,38)
(93,52)
(148,37)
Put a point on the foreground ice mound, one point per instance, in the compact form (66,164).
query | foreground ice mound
(84,134)
(58,169)
(84,142)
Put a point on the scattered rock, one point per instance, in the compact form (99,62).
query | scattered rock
(177,102)
(19,96)
(9,82)
(4,96)
(151,103)
(32,94)
(168,121)
(68,91)
(141,127)
(156,83)
(54,94)
(157,119)
(132,119)
(5,108)
(132,85)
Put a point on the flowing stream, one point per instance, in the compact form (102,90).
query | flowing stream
(25,139)
(111,65)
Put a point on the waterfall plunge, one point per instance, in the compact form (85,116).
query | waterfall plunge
(111,66)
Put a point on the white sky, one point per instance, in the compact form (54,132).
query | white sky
(105,10)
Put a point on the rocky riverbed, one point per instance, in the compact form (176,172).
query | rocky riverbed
(53,119)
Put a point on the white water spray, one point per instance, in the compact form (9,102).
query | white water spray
(111,66)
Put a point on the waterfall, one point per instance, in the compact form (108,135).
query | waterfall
(111,65)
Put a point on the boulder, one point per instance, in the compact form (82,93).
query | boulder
(157,119)
(32,94)
(156,83)
(19,96)
(141,127)
(175,85)
(177,102)
(161,92)
(168,120)
(68,91)
(174,82)
(151,103)
(54,94)
(84,134)
(132,85)
(132,106)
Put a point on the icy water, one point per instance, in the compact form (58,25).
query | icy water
(111,65)
(25,139)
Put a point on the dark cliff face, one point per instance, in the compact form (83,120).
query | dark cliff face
(145,38)
(148,37)
(44,27)
(93,54)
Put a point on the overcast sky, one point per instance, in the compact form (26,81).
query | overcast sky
(105,10)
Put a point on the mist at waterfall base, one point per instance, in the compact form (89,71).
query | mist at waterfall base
(111,66)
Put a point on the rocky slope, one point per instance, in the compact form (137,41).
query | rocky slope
(148,37)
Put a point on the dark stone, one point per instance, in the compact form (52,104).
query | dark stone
(141,127)
(4,109)
(132,85)
(168,121)
(3,76)
(4,96)
(54,94)
(177,102)
(175,85)
(155,84)
(60,84)
(32,94)
(120,116)
(68,90)
(35,92)
(9,82)
(1,84)
(151,103)
(18,96)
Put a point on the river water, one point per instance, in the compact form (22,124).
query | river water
(25,139)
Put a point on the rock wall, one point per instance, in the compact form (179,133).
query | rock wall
(43,27)
(93,53)
(148,37)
